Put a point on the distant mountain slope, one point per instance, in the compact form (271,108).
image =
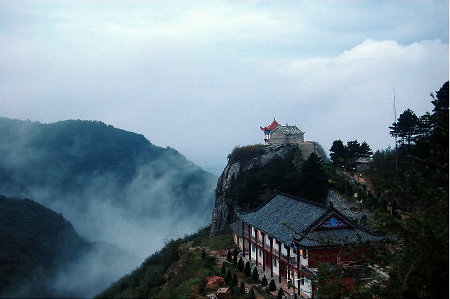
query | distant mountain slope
(34,243)
(112,185)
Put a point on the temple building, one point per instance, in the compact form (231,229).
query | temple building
(277,134)
(289,236)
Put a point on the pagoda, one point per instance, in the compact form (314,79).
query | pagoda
(267,130)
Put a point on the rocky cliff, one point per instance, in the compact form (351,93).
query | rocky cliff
(253,174)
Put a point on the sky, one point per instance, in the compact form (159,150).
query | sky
(203,76)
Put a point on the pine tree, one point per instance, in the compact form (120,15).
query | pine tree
(240,265)
(228,277)
(264,281)
(251,293)
(235,253)
(280,293)
(255,275)
(242,288)
(272,286)
(234,282)
(223,268)
(203,253)
(247,270)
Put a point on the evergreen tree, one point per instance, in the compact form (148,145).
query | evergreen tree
(247,270)
(203,253)
(365,150)
(255,276)
(272,285)
(353,149)
(242,288)
(251,293)
(313,180)
(223,268)
(234,281)
(338,153)
(240,265)
(228,277)
(264,281)
(280,293)
(406,127)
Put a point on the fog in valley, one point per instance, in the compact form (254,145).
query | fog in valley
(130,204)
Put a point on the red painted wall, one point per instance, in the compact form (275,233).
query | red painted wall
(322,256)
(347,254)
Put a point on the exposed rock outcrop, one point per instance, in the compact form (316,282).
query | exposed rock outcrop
(231,181)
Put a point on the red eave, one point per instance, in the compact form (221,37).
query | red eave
(270,127)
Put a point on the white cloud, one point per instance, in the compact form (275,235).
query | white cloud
(182,73)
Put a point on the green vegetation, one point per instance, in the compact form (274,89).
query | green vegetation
(71,158)
(417,194)
(149,280)
(345,155)
(291,174)
(246,152)
(34,243)
(410,198)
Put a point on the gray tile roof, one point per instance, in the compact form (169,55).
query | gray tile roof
(288,130)
(281,216)
(287,218)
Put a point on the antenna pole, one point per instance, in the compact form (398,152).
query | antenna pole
(396,150)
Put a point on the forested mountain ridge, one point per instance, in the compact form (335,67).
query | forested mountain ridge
(34,243)
(114,186)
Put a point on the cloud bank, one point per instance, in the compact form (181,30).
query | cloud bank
(185,73)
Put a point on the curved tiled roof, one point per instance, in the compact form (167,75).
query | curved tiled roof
(288,219)
(288,130)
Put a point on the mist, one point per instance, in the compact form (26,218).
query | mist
(128,210)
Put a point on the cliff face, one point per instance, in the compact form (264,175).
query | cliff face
(236,175)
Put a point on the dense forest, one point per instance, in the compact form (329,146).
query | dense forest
(34,243)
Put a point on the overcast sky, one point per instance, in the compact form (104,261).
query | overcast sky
(202,76)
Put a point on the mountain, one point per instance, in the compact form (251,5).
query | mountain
(255,173)
(34,243)
(114,186)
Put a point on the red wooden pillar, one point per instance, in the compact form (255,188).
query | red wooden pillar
(289,264)
(249,243)
(279,262)
(264,253)
(271,255)
(298,270)
(256,246)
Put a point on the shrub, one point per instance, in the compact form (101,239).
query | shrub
(240,265)
(272,285)
(280,293)
(203,253)
(229,255)
(228,277)
(264,281)
(247,269)
(242,288)
(251,293)
(255,275)
(234,282)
